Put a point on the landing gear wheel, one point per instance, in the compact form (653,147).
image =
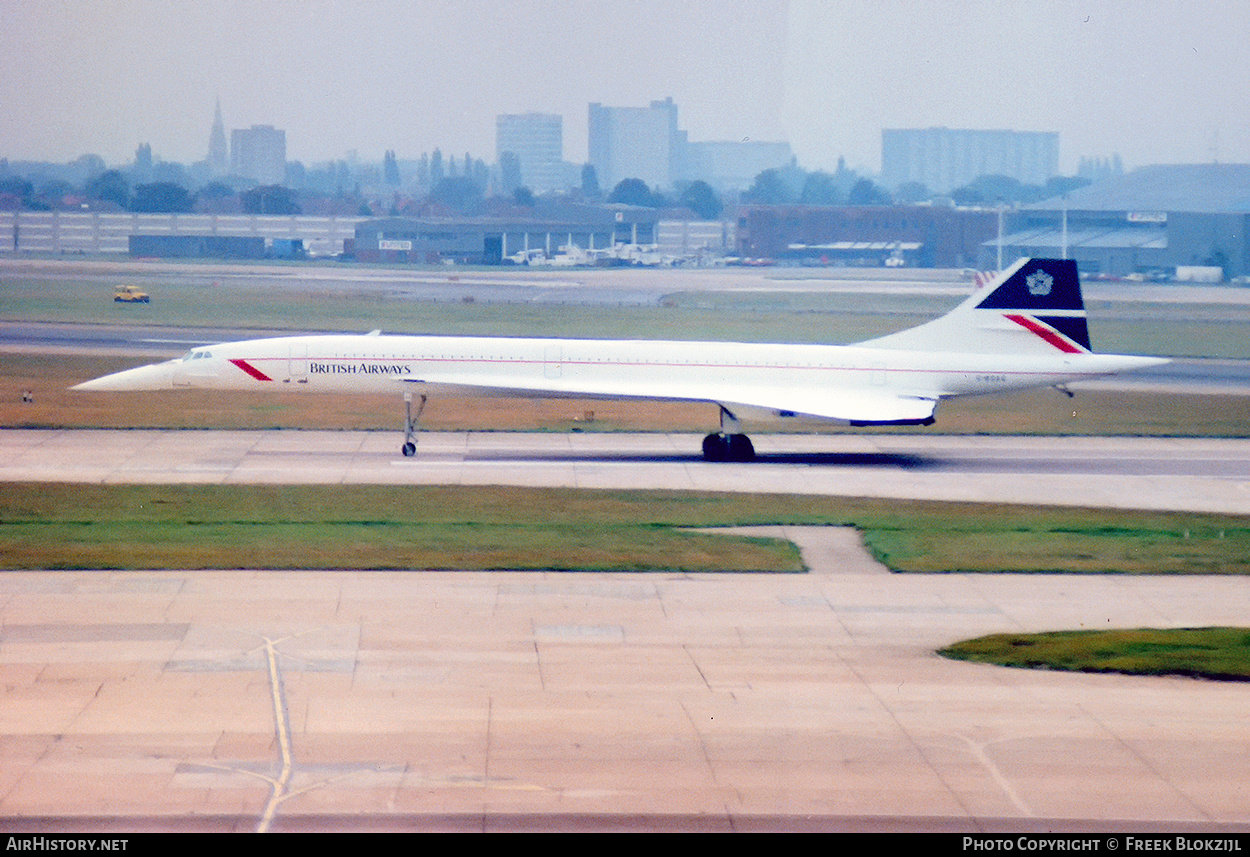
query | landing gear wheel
(715,448)
(411,421)
(732,447)
(740,448)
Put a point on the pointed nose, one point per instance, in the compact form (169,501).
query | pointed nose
(158,376)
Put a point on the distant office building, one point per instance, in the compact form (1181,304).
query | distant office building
(1100,169)
(259,153)
(731,165)
(943,159)
(218,157)
(537,140)
(636,142)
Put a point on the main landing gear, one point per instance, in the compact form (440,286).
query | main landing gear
(729,444)
(728,447)
(410,425)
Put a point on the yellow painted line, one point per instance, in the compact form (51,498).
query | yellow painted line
(282,729)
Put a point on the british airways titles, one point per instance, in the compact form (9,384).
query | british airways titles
(359,369)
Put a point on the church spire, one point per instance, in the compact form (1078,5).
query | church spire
(218,159)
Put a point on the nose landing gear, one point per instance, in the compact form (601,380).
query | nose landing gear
(409,448)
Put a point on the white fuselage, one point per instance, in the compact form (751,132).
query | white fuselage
(764,377)
(1027,328)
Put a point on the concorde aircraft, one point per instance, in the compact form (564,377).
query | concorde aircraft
(1026,328)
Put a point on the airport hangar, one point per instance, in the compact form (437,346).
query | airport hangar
(1155,218)
(432,238)
(491,240)
(919,236)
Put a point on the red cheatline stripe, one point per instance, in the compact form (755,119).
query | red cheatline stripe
(251,370)
(1045,333)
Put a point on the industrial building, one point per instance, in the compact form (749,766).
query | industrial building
(697,241)
(92,233)
(459,239)
(865,235)
(1149,221)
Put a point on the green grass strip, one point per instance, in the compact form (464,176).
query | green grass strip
(54,525)
(1214,653)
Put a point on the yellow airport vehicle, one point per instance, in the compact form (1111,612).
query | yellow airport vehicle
(130,295)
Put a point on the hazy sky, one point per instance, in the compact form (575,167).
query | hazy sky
(1154,80)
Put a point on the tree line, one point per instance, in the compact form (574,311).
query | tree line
(462,185)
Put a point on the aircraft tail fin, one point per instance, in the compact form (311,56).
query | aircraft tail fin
(1033,307)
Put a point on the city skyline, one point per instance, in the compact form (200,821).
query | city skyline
(1154,81)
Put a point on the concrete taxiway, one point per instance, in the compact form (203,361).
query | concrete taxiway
(443,700)
(1198,474)
(497,701)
